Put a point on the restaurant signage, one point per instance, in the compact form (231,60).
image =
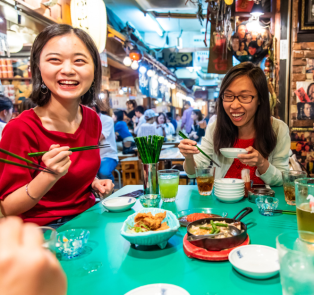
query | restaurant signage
(91,16)
(176,60)
(200,59)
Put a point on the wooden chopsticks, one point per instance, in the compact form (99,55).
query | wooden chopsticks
(37,166)
(185,137)
(75,149)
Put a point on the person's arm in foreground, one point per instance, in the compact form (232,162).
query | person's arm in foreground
(25,266)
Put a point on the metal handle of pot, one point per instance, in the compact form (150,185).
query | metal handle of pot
(246,211)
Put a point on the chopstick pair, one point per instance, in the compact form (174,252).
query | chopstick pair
(75,149)
(283,211)
(37,166)
(185,137)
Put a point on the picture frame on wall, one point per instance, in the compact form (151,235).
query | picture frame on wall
(306,17)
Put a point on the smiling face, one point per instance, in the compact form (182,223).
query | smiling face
(252,50)
(161,119)
(67,67)
(241,114)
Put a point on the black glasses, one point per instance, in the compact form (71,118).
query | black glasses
(244,98)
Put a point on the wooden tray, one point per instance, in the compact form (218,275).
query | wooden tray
(192,251)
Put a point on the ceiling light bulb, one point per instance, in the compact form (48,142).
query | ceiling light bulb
(142,69)
(121,92)
(173,86)
(134,65)
(150,73)
(161,79)
(203,88)
(127,61)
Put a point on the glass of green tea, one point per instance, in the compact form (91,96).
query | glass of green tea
(205,180)
(168,181)
(288,178)
(304,193)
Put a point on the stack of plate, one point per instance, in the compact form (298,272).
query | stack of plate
(229,190)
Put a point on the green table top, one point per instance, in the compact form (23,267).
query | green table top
(123,268)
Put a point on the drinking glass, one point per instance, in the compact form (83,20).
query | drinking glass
(296,258)
(304,191)
(168,181)
(205,180)
(49,237)
(288,178)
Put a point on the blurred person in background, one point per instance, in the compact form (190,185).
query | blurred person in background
(163,128)
(25,266)
(197,132)
(187,120)
(108,155)
(179,123)
(125,140)
(130,112)
(6,111)
(139,118)
(149,127)
(172,121)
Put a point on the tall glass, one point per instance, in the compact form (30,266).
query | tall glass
(296,258)
(304,191)
(288,178)
(168,181)
(49,237)
(205,180)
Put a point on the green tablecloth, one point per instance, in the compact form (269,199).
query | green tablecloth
(123,268)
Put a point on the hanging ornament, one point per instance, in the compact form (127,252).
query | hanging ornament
(229,2)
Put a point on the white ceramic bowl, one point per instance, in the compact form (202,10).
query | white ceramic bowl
(229,199)
(229,193)
(228,188)
(232,153)
(155,289)
(119,204)
(255,261)
(229,181)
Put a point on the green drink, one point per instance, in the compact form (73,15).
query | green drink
(168,181)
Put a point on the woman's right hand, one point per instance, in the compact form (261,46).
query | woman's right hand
(188,148)
(58,159)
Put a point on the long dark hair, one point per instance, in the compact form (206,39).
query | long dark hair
(119,115)
(199,115)
(5,103)
(91,96)
(165,118)
(226,133)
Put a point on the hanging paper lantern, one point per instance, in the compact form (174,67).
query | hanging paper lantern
(229,2)
(135,54)
(91,16)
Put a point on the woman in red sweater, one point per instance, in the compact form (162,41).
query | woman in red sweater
(66,71)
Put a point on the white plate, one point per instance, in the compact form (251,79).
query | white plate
(158,289)
(234,193)
(255,261)
(228,188)
(119,204)
(229,199)
(229,181)
(232,153)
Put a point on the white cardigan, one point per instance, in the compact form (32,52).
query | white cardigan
(278,159)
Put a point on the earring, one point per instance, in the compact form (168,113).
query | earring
(44,88)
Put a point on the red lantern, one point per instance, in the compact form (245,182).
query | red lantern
(135,55)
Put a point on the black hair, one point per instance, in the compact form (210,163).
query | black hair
(253,44)
(132,102)
(88,98)
(119,115)
(199,114)
(97,109)
(226,133)
(5,103)
(308,90)
(187,102)
(165,118)
(140,109)
(169,115)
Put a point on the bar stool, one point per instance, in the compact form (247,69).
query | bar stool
(130,171)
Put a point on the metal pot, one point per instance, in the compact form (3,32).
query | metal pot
(212,244)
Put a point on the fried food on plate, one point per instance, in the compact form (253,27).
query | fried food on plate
(147,222)
(163,226)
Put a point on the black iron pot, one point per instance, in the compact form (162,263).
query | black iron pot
(212,244)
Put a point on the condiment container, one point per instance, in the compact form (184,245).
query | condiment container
(259,192)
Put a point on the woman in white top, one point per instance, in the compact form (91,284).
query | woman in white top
(163,128)
(149,127)
(243,120)
(6,110)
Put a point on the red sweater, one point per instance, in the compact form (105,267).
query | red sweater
(236,167)
(71,194)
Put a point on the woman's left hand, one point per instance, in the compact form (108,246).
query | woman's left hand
(103,187)
(253,158)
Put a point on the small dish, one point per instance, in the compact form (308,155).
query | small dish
(158,289)
(150,238)
(254,193)
(229,182)
(71,242)
(228,193)
(232,153)
(150,200)
(119,204)
(266,205)
(255,261)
